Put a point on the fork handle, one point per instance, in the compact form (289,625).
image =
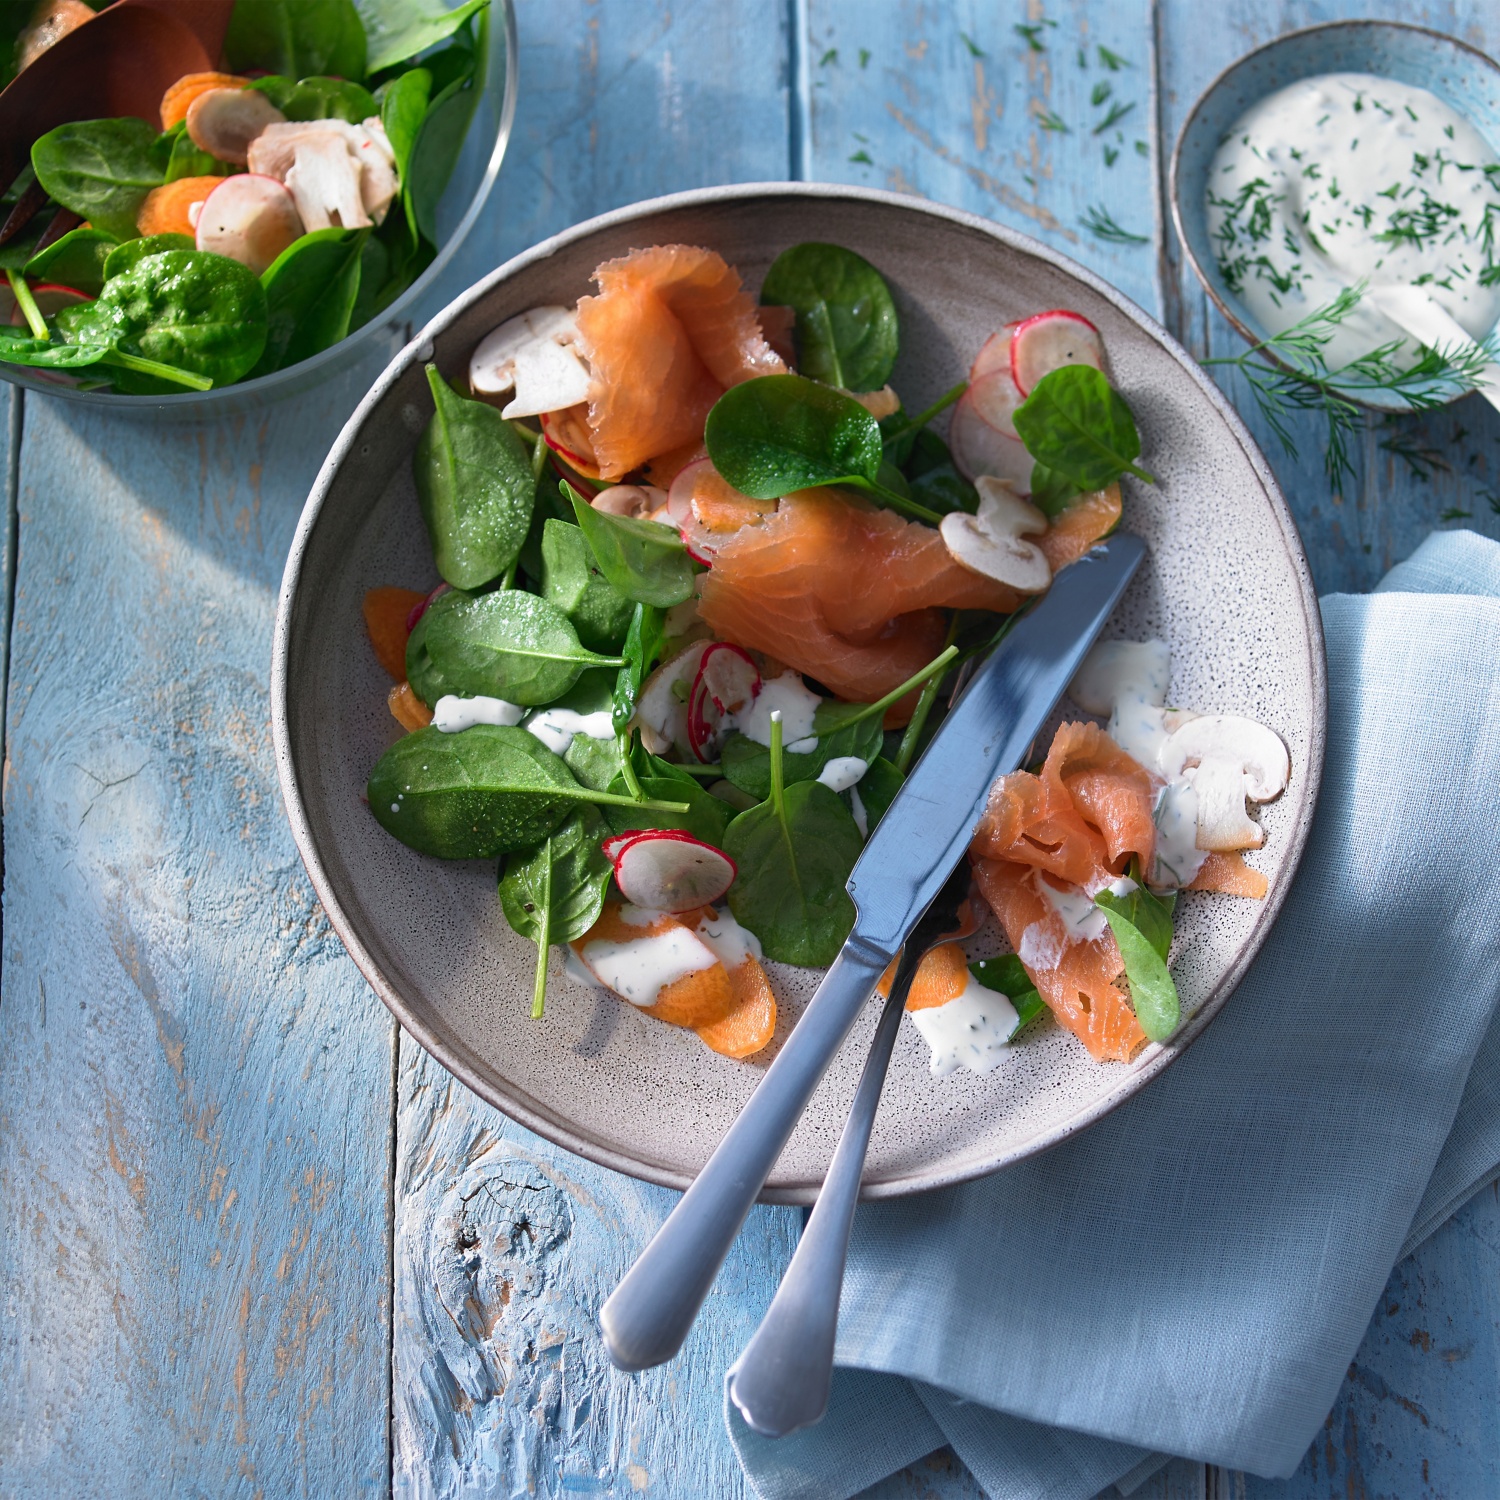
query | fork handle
(782,1379)
(649,1314)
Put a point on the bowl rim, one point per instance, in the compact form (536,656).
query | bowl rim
(1174,177)
(186,405)
(515,1104)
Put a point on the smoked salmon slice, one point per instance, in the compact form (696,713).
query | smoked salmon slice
(1076,978)
(843,592)
(1087,520)
(1229,875)
(943,975)
(670,331)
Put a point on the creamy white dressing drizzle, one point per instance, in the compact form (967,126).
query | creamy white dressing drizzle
(1127,682)
(730,943)
(1178,857)
(555,727)
(970,1031)
(861,817)
(796,703)
(1081,919)
(579,972)
(843,772)
(1350,177)
(1041,947)
(453,715)
(640,969)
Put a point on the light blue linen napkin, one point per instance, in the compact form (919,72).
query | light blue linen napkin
(1193,1275)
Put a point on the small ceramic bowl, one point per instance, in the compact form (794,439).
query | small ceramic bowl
(1457,73)
(458,210)
(1226,587)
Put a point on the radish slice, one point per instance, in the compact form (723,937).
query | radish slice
(567,435)
(1049,341)
(418,610)
(680,496)
(704,722)
(248,218)
(995,399)
(661,711)
(668,870)
(614,845)
(994,354)
(579,483)
(730,676)
(978,448)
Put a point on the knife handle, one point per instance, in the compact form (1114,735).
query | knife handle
(650,1313)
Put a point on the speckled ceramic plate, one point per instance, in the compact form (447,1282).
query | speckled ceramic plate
(1227,587)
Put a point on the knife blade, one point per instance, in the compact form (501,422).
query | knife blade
(924,833)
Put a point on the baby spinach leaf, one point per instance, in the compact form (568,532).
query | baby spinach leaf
(507,644)
(435,150)
(555,892)
(399,29)
(403,106)
(489,790)
(101,169)
(847,331)
(297,38)
(748,765)
(780,433)
(374,272)
(17,348)
(642,650)
(573,581)
(1007,975)
(184,158)
(794,854)
(645,561)
(877,789)
(475,485)
(933,479)
(76,260)
(706,817)
(1150,913)
(125,255)
(319,98)
(1080,432)
(200,312)
(310,292)
(1152,992)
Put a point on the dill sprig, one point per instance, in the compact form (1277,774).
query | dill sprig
(1049,120)
(1117,112)
(1289,373)
(1100,223)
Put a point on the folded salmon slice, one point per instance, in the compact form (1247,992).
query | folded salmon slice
(1087,520)
(1075,978)
(670,331)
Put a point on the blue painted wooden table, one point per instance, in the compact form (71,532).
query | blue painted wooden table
(252,1240)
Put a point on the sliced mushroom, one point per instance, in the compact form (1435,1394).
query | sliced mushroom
(324,178)
(340,174)
(224,122)
(991,541)
(249,218)
(1228,761)
(532,354)
(638,501)
(379,184)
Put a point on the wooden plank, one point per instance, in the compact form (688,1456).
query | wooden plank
(1352,539)
(504,1246)
(195,1085)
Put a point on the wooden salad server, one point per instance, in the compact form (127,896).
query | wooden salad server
(923,836)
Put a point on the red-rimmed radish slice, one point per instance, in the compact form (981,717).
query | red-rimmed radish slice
(995,398)
(1050,340)
(680,496)
(703,724)
(567,435)
(669,870)
(248,217)
(614,845)
(978,448)
(50,298)
(730,676)
(994,354)
(661,711)
(588,491)
(418,610)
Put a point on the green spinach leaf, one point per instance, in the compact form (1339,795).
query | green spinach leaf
(439,140)
(573,581)
(399,29)
(642,650)
(101,169)
(1080,433)
(1144,949)
(706,817)
(645,561)
(555,893)
(747,764)
(794,853)
(184,158)
(877,789)
(475,485)
(403,106)
(123,257)
(310,293)
(76,260)
(1007,975)
(297,38)
(508,644)
(847,332)
(319,98)
(202,313)
(489,790)
(932,477)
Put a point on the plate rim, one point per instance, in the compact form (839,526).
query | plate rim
(515,1104)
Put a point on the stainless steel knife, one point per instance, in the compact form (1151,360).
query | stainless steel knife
(925,832)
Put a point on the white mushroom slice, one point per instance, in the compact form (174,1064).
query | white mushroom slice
(532,354)
(638,501)
(224,122)
(324,178)
(1227,761)
(991,541)
(1127,682)
(351,186)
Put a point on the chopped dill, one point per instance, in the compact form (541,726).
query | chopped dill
(1102,90)
(863,158)
(1453,513)
(1117,112)
(1049,121)
(1421,461)
(1142,149)
(1111,156)
(864,57)
(975,50)
(830,56)
(1112,60)
(1032,35)
(1100,223)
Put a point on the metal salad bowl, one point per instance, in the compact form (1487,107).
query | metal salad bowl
(1226,585)
(458,210)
